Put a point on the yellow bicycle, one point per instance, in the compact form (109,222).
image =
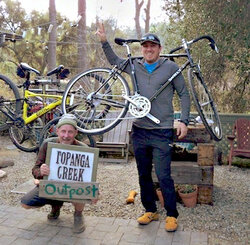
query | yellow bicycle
(25,117)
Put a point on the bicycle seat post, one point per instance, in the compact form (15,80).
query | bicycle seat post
(133,77)
(128,49)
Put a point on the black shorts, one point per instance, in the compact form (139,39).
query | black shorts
(32,199)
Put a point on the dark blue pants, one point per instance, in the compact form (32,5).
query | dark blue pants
(155,146)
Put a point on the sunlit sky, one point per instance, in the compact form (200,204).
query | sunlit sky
(123,12)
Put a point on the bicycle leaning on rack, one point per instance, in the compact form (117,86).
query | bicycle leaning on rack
(98,92)
(23,117)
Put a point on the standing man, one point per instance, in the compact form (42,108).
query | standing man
(153,142)
(66,131)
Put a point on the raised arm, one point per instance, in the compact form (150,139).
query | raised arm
(111,56)
(101,32)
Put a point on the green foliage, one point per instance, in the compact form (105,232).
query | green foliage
(241,162)
(186,188)
(34,48)
(227,22)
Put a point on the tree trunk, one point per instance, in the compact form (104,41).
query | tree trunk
(52,36)
(147,13)
(137,17)
(81,31)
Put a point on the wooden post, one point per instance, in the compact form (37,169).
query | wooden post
(205,154)
(206,162)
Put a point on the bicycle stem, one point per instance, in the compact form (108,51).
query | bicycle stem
(186,48)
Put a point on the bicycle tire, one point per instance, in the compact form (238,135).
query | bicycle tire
(95,112)
(49,130)
(204,104)
(27,138)
(10,99)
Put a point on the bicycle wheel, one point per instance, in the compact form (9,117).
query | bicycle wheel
(94,96)
(49,130)
(204,104)
(27,138)
(10,102)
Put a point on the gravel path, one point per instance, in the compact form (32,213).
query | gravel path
(227,221)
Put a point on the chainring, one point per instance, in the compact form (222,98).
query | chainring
(143,106)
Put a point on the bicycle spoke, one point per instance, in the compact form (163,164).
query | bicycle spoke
(205,105)
(94,95)
(27,138)
(9,101)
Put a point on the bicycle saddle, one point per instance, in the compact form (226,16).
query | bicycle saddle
(26,67)
(55,70)
(121,41)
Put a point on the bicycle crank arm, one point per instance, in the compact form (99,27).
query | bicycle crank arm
(153,118)
(139,106)
(130,100)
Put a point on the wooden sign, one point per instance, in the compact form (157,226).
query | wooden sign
(68,190)
(72,173)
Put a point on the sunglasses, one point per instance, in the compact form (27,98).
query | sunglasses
(150,38)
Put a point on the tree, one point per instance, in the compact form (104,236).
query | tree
(147,16)
(12,20)
(33,48)
(138,6)
(52,35)
(81,30)
(227,21)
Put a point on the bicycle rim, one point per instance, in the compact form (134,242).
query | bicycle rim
(205,104)
(49,131)
(27,138)
(94,97)
(9,101)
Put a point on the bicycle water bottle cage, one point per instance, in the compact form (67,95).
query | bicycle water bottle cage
(121,41)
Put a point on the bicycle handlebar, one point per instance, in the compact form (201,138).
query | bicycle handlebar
(209,38)
(212,43)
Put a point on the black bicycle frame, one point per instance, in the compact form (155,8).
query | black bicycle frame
(130,59)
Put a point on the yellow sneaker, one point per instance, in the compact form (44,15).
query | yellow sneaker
(171,224)
(147,218)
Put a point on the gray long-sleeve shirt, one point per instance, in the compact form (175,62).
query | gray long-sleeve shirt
(149,83)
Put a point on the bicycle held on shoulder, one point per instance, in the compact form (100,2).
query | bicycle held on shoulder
(99,92)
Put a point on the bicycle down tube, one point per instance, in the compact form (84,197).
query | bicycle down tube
(39,113)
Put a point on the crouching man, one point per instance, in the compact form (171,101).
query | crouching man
(66,131)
